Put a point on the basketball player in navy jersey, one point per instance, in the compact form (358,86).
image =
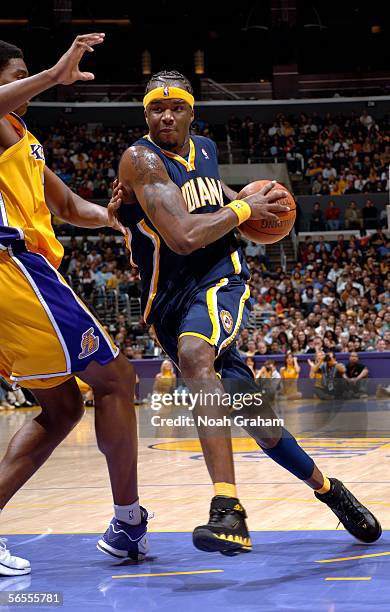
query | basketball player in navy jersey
(195,294)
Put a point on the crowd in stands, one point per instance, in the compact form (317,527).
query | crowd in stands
(333,218)
(86,157)
(336,154)
(336,297)
(332,379)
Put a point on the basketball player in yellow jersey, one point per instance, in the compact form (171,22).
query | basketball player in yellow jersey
(47,335)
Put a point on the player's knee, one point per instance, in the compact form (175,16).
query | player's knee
(196,358)
(75,413)
(116,378)
(62,413)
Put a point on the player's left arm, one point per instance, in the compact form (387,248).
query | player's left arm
(73,209)
(229,193)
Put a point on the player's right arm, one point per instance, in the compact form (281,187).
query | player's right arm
(142,173)
(65,72)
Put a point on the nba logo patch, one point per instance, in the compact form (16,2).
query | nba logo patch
(205,153)
(89,343)
(227,321)
(166,91)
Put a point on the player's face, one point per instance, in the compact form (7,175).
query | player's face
(169,122)
(15,69)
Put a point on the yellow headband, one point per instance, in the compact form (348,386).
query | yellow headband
(167,93)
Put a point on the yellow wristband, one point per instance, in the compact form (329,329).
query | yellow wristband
(242,210)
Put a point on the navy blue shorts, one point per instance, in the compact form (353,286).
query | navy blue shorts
(215,314)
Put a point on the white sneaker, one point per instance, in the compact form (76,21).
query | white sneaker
(9,565)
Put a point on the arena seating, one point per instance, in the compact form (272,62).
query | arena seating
(335,296)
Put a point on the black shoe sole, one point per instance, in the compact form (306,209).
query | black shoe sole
(207,541)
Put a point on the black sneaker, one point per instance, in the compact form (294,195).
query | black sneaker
(226,530)
(355,517)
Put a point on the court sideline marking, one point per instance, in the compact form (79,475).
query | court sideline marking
(381,554)
(212,571)
(352,578)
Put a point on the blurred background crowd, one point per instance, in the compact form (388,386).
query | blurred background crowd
(332,154)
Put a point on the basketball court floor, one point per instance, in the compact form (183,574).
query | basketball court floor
(300,561)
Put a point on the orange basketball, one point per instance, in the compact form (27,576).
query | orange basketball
(263,231)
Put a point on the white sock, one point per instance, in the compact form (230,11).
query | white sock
(130,514)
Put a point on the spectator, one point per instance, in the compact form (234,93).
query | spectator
(165,380)
(322,246)
(329,172)
(366,120)
(16,396)
(332,374)
(268,379)
(87,284)
(315,371)
(4,404)
(356,374)
(370,215)
(261,348)
(330,340)
(353,217)
(250,362)
(251,349)
(380,346)
(332,216)
(283,342)
(289,374)
(368,341)
(316,222)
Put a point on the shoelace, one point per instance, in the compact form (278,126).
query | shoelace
(3,548)
(348,506)
(215,514)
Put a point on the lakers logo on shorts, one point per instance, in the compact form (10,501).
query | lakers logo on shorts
(89,343)
(227,321)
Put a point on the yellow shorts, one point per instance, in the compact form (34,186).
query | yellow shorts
(46,332)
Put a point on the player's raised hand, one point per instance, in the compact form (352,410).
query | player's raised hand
(66,70)
(113,207)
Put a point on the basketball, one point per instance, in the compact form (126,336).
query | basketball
(263,231)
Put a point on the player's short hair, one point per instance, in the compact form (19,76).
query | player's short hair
(8,52)
(166,76)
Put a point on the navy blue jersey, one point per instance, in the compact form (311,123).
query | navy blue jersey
(166,276)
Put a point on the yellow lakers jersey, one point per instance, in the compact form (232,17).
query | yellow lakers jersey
(24,214)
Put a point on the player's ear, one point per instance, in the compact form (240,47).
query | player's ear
(146,117)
